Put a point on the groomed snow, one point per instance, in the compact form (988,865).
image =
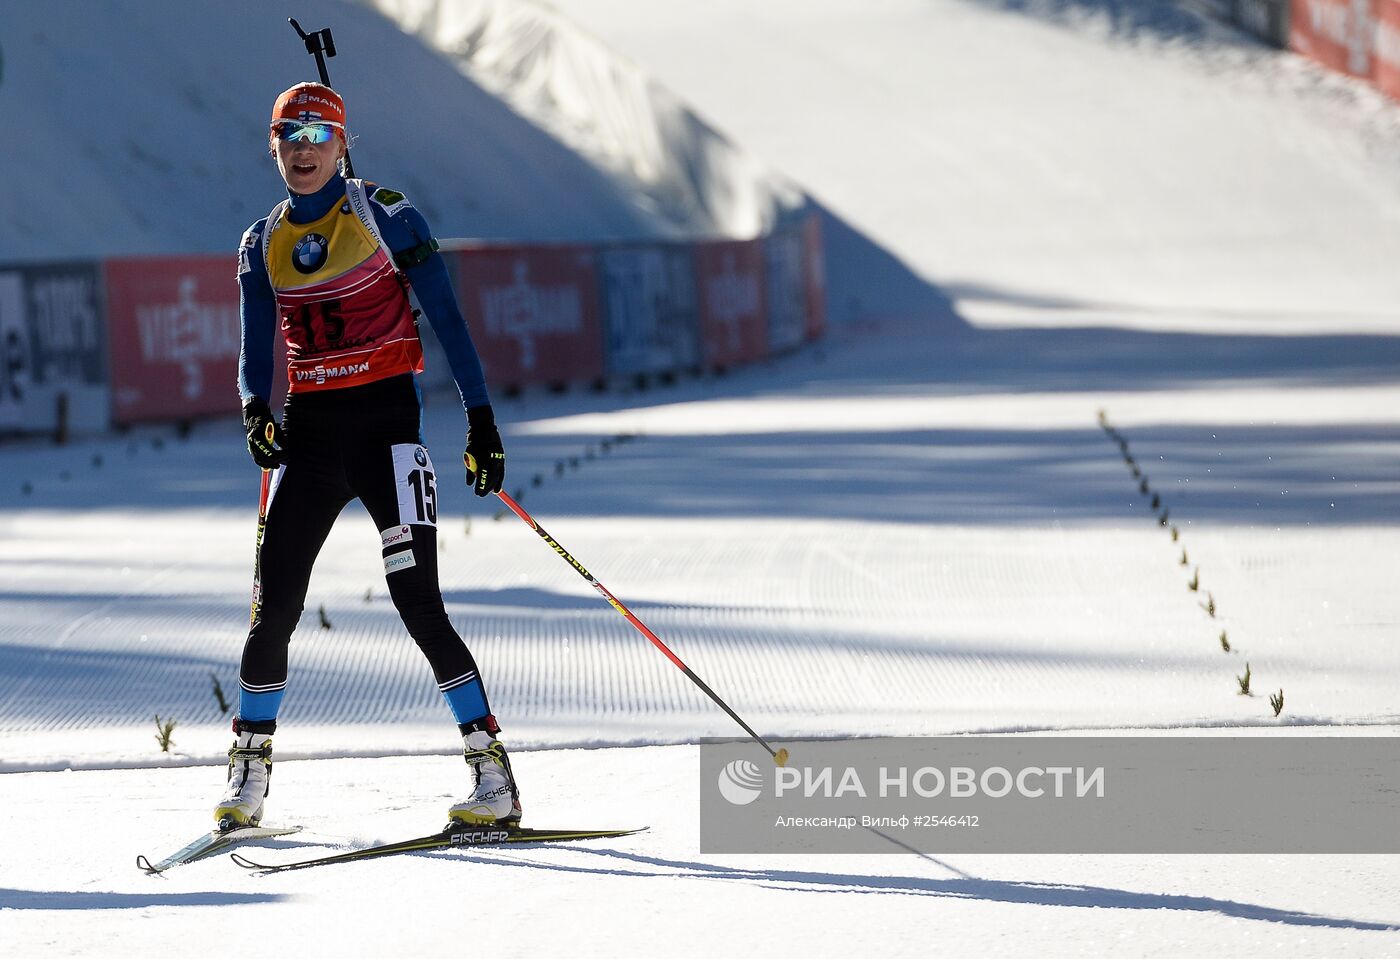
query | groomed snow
(62,894)
(144,130)
(977,573)
(897,531)
(1054,162)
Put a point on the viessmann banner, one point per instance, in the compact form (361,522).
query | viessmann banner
(731,287)
(539,316)
(1040,794)
(1356,37)
(174,338)
(1385,74)
(533,313)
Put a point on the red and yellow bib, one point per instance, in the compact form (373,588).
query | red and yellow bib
(344,307)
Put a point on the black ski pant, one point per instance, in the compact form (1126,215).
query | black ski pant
(361,443)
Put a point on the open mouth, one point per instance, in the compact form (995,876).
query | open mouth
(304,168)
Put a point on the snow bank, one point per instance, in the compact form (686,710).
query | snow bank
(138,129)
(606,108)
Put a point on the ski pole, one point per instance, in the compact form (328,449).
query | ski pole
(257,551)
(780,756)
(320,44)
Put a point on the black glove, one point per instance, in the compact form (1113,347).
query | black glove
(266,441)
(485,457)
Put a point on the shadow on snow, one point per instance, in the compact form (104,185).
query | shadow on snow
(961,887)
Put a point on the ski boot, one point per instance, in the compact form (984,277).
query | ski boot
(249,769)
(494,800)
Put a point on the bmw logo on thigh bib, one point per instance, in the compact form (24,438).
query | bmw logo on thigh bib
(309,255)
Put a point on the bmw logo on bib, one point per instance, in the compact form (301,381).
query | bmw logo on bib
(420,456)
(309,255)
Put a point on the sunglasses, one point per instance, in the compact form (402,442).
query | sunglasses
(319,131)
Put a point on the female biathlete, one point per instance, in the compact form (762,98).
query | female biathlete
(331,265)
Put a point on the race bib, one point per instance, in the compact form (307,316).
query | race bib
(417,485)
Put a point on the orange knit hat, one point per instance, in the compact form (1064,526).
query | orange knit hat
(311,102)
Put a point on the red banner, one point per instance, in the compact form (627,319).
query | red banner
(174,337)
(1336,33)
(814,272)
(533,314)
(1387,49)
(729,282)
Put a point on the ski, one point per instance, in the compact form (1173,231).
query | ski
(452,837)
(210,843)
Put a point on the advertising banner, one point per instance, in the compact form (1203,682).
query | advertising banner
(1386,72)
(66,324)
(174,338)
(534,314)
(1266,19)
(16,371)
(814,264)
(650,315)
(1337,33)
(787,289)
(52,348)
(729,282)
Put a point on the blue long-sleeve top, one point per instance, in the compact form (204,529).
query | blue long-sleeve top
(403,231)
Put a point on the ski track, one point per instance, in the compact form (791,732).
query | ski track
(914,528)
(810,625)
(796,905)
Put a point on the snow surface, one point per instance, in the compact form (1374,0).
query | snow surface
(155,140)
(901,530)
(650,894)
(1054,162)
(605,108)
(986,565)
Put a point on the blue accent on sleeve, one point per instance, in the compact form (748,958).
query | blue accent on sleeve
(407,230)
(467,701)
(260,707)
(257,310)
